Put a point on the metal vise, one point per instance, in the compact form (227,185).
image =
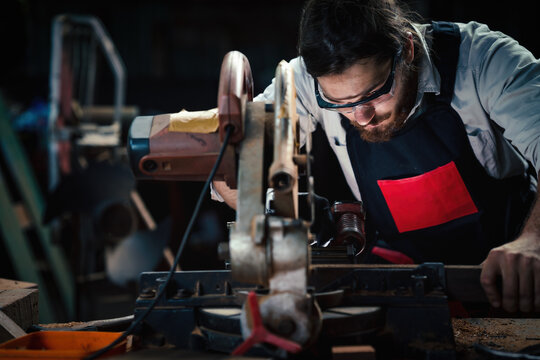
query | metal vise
(267,250)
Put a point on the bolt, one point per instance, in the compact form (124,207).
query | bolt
(268,107)
(355,207)
(286,327)
(401,291)
(149,165)
(281,181)
(147,293)
(182,294)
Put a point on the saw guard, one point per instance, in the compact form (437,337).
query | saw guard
(235,89)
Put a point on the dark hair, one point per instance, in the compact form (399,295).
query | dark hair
(335,34)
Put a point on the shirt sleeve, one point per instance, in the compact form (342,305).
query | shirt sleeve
(214,195)
(304,98)
(507,77)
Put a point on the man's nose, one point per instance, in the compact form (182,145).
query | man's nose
(364,114)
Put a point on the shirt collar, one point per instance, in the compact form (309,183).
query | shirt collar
(429,80)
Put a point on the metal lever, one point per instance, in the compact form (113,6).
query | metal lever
(283,171)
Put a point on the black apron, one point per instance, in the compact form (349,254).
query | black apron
(424,191)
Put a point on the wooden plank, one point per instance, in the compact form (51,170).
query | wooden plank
(143,210)
(353,352)
(463,283)
(9,329)
(18,302)
(19,306)
(6,284)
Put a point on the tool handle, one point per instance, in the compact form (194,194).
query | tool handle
(235,89)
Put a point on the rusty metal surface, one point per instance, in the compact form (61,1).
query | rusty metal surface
(289,310)
(272,250)
(283,172)
(289,315)
(350,225)
(248,260)
(289,253)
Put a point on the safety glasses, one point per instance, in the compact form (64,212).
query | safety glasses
(361,107)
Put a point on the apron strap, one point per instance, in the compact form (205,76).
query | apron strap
(446,41)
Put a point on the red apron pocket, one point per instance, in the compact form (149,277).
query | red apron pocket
(426,200)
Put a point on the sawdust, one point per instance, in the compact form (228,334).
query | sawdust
(62,325)
(510,335)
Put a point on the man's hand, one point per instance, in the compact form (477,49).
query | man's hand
(518,263)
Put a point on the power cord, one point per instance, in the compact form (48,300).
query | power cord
(229,129)
(498,354)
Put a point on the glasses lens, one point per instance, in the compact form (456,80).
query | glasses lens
(365,112)
(345,110)
(383,98)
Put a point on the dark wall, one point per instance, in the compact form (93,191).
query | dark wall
(518,18)
(173,49)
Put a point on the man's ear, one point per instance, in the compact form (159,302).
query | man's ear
(409,55)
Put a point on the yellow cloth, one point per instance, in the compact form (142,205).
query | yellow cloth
(206,121)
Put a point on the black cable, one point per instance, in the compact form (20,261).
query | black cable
(202,196)
(497,354)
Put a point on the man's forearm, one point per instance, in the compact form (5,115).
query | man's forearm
(229,195)
(532,224)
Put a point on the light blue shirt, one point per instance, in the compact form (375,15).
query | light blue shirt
(496,94)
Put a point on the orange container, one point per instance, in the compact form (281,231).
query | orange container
(60,345)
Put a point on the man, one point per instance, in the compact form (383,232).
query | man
(437,130)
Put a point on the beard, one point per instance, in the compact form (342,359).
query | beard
(382,127)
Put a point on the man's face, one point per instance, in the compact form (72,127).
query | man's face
(376,120)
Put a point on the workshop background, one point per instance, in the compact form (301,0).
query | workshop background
(172,51)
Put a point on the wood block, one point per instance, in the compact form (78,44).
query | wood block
(18,302)
(353,352)
(6,284)
(10,327)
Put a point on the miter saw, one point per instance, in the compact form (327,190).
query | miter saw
(275,300)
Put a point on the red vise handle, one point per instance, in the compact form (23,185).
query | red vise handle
(259,334)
